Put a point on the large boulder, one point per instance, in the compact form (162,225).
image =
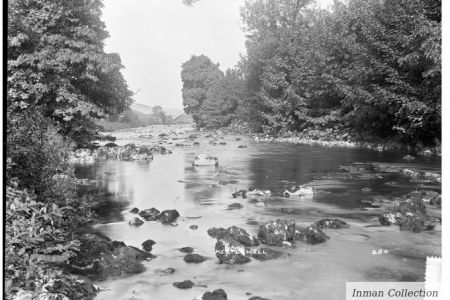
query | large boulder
(311,234)
(168,216)
(100,258)
(410,214)
(229,251)
(151,214)
(236,233)
(275,232)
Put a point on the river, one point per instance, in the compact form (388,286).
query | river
(305,271)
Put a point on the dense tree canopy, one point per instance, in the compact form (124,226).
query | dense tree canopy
(57,65)
(198,74)
(371,68)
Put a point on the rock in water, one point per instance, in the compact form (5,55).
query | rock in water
(229,251)
(260,204)
(410,214)
(331,223)
(134,210)
(205,160)
(217,232)
(388,219)
(266,254)
(408,157)
(147,245)
(151,214)
(275,232)
(235,206)
(218,294)
(236,233)
(167,271)
(186,249)
(193,227)
(187,284)
(168,216)
(100,258)
(312,234)
(136,222)
(194,258)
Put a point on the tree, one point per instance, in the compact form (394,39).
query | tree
(390,75)
(56,64)
(158,112)
(198,74)
(222,100)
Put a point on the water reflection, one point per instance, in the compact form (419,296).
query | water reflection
(310,271)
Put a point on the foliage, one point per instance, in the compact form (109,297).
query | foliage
(35,151)
(222,100)
(133,118)
(56,63)
(59,82)
(371,67)
(198,74)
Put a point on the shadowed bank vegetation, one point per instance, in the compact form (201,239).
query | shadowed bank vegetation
(59,83)
(364,70)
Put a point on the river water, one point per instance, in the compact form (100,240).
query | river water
(305,271)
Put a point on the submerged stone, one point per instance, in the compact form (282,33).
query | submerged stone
(331,224)
(194,258)
(235,206)
(167,271)
(186,249)
(186,284)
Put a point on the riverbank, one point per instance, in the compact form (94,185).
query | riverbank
(334,138)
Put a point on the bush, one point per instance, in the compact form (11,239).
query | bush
(41,204)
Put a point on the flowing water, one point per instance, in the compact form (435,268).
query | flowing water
(305,271)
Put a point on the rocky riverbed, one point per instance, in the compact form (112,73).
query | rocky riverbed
(271,221)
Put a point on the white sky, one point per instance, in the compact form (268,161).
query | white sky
(154,37)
